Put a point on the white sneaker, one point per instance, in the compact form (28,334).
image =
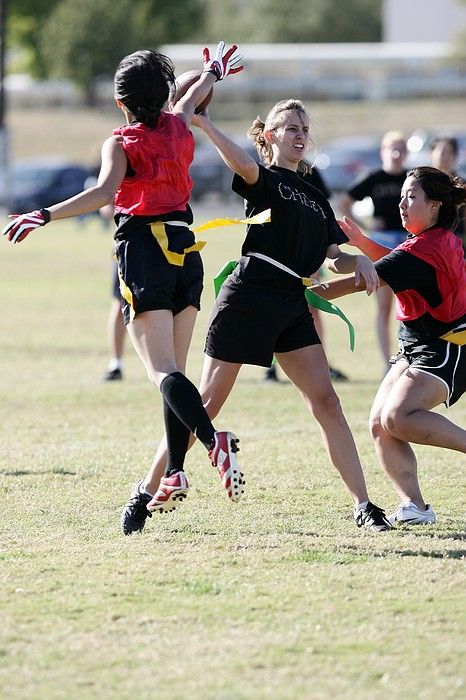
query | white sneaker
(410,514)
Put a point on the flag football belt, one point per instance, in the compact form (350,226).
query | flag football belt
(313,299)
(160,234)
(456,335)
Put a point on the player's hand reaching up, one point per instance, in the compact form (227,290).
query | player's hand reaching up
(224,62)
(22,225)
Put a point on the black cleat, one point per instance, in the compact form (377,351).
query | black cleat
(337,376)
(113,375)
(271,374)
(372,517)
(133,517)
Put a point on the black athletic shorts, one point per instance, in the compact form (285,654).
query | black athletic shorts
(259,311)
(441,359)
(149,281)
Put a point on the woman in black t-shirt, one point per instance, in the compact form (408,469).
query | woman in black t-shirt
(261,310)
(428,276)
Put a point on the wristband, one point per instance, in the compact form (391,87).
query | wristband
(46,214)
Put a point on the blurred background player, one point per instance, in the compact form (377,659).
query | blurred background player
(116,332)
(383,186)
(444,156)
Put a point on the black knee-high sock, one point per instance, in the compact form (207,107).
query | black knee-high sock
(186,403)
(177,440)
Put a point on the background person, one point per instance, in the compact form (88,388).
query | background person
(261,310)
(444,156)
(383,186)
(116,331)
(428,275)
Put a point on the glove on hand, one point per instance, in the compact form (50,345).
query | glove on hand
(223,63)
(22,225)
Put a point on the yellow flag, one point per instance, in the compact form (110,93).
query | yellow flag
(262,218)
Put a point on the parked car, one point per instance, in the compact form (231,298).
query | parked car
(41,182)
(342,160)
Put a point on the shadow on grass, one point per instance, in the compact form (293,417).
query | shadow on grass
(37,472)
(411,552)
(447,554)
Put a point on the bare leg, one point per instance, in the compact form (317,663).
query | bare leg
(384,298)
(319,326)
(401,414)
(116,330)
(307,368)
(396,456)
(407,414)
(217,381)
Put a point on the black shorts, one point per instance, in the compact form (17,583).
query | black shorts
(150,282)
(251,320)
(441,359)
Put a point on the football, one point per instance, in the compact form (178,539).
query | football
(184,82)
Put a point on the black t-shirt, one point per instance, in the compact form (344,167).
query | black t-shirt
(402,271)
(384,189)
(315,179)
(302,225)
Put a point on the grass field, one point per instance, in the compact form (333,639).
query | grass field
(280,596)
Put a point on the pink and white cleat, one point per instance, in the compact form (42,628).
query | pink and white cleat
(171,492)
(223,456)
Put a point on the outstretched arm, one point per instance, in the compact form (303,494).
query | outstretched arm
(373,250)
(341,263)
(342,286)
(111,174)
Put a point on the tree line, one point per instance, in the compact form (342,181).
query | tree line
(85,39)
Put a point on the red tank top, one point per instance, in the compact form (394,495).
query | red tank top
(443,250)
(159,157)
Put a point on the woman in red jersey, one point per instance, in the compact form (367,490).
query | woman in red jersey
(427,274)
(144,172)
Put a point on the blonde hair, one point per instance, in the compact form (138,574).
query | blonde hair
(272,120)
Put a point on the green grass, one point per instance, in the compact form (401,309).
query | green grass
(279,596)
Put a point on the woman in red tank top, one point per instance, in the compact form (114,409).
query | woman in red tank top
(427,274)
(144,173)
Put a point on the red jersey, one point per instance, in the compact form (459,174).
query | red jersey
(443,250)
(159,157)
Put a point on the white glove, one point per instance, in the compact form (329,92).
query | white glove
(223,63)
(22,225)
